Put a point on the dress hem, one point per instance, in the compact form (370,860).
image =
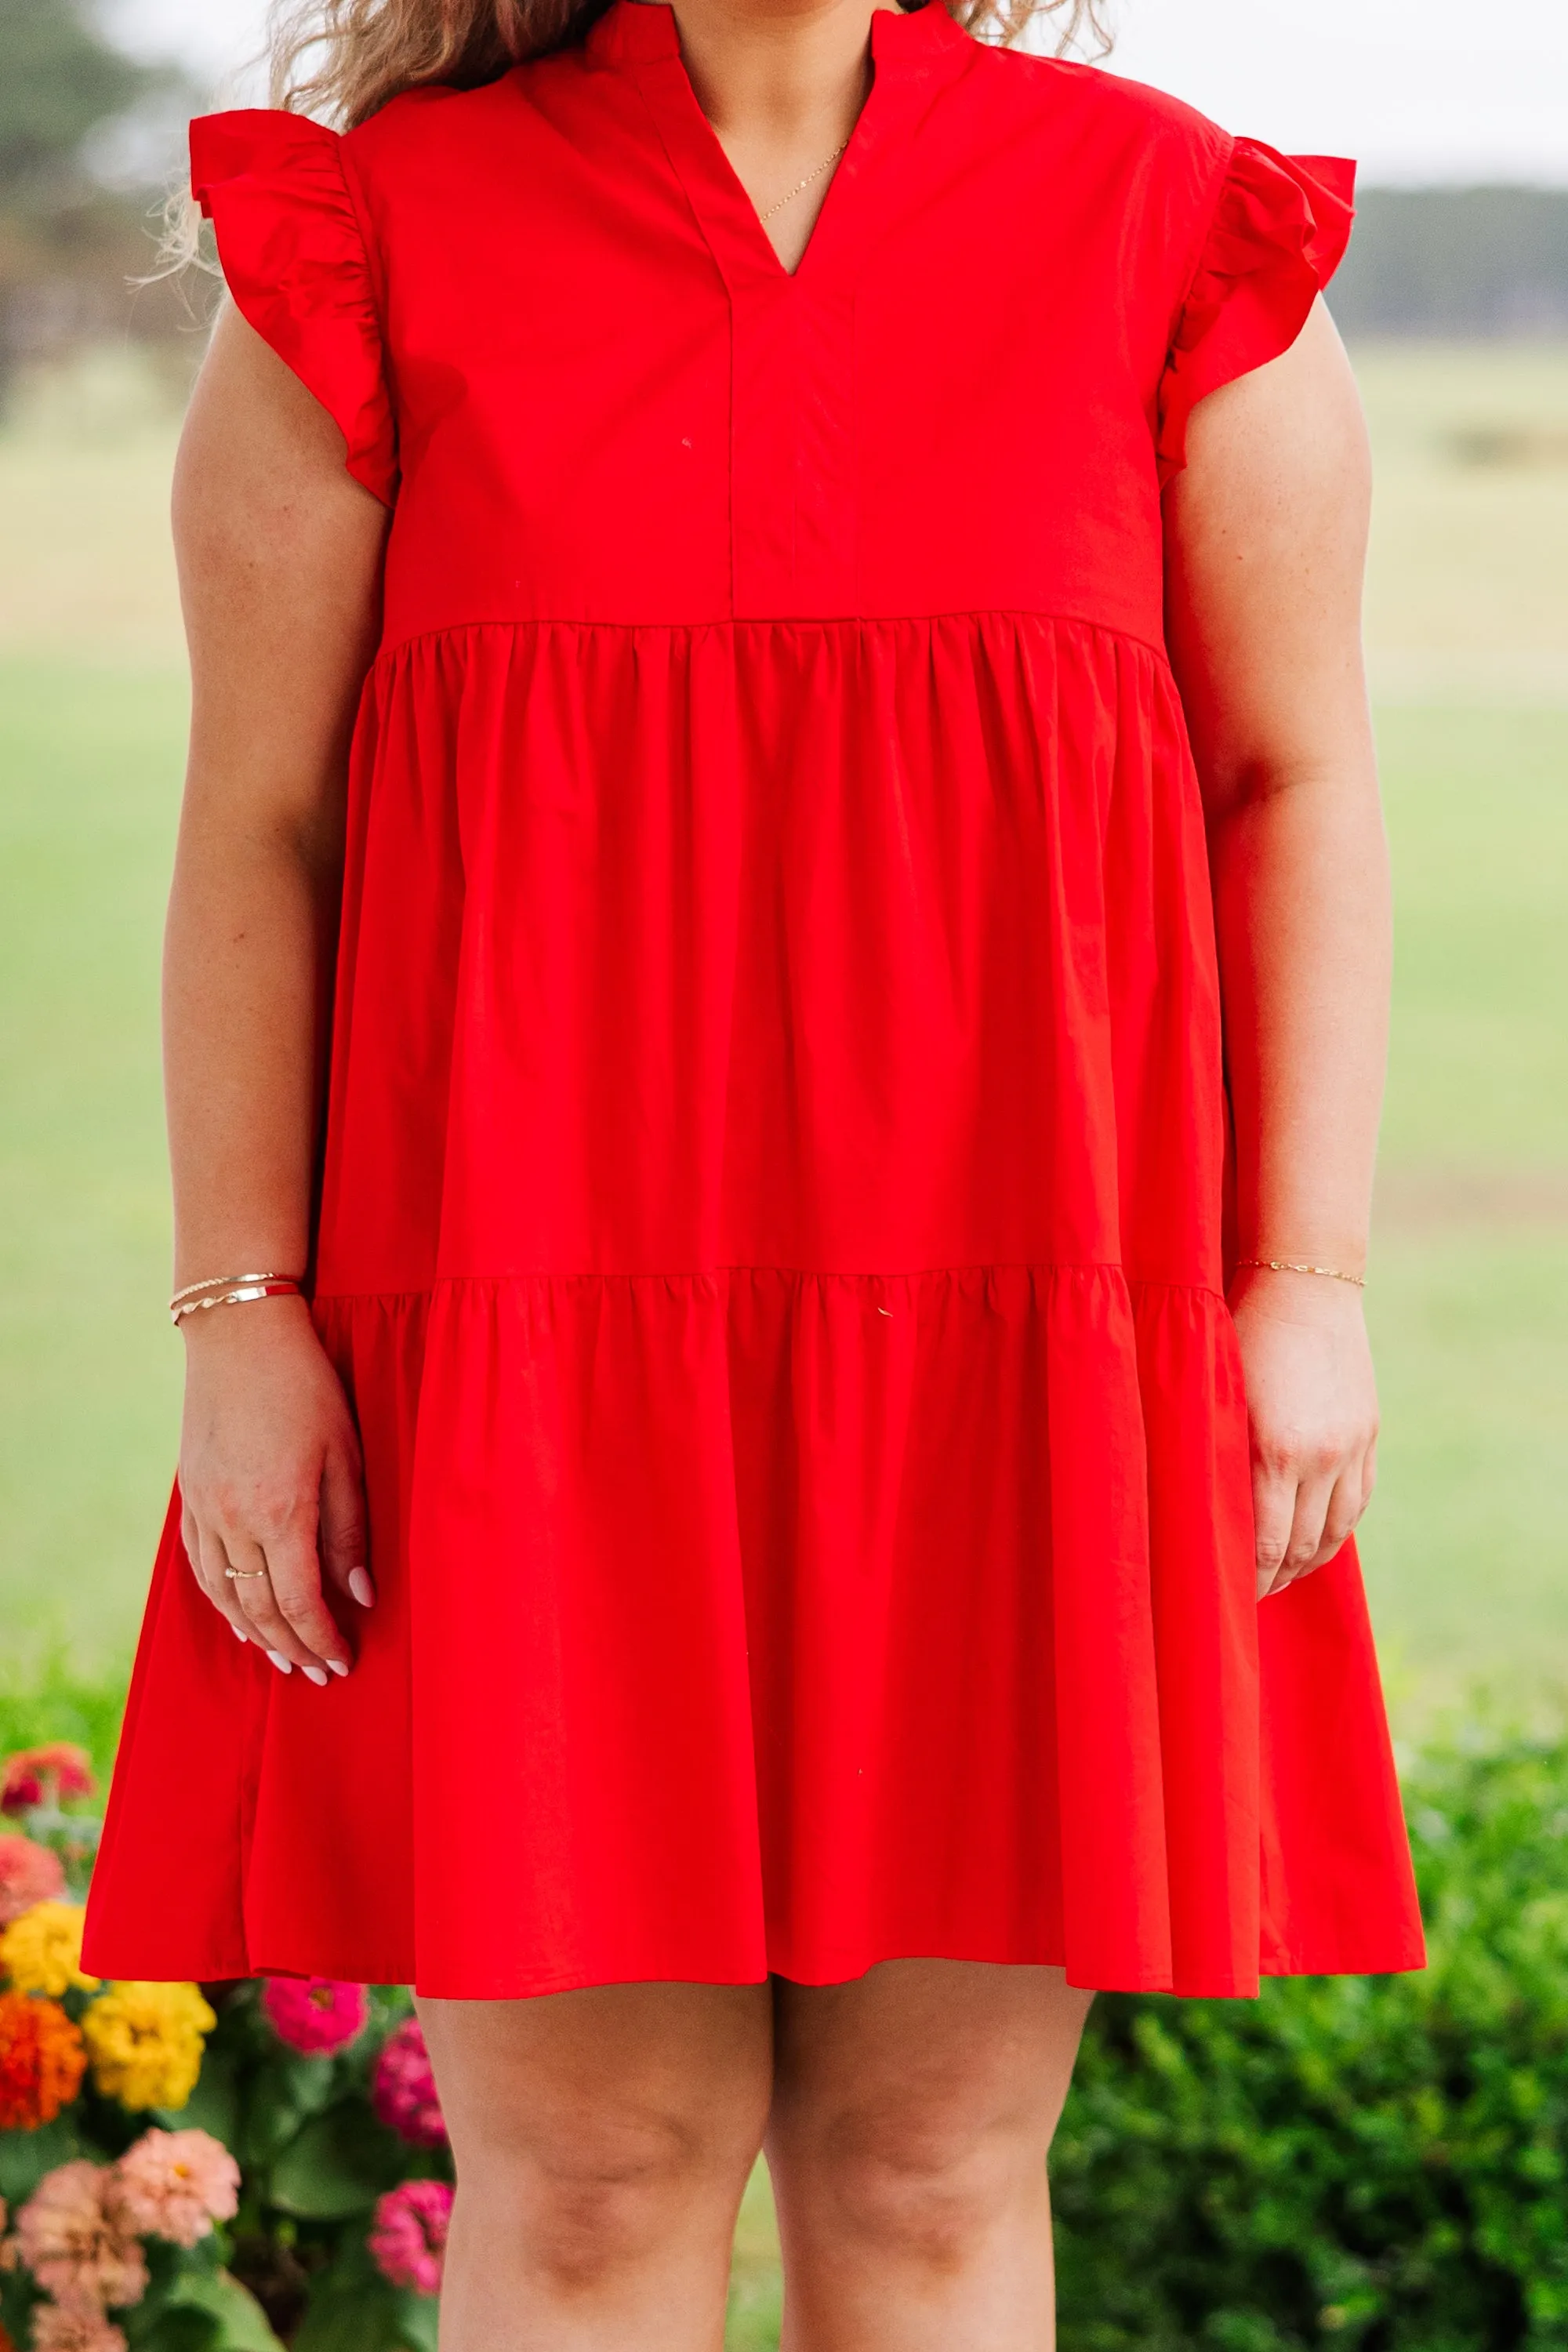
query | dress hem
(542,1984)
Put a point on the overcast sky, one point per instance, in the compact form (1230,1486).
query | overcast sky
(1418,90)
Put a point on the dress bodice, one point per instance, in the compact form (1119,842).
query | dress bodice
(610,401)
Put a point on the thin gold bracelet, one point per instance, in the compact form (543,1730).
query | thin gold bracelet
(1299,1265)
(227,1282)
(277,1286)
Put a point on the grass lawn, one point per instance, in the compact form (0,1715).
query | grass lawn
(1466,1544)
(89,766)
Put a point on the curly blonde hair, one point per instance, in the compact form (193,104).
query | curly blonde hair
(343,60)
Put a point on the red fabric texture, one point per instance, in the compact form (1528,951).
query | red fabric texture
(771,1210)
(1279,232)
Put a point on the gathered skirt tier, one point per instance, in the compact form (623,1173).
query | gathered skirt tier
(771,1237)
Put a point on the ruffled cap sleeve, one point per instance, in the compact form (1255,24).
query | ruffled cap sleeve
(293,254)
(1278,233)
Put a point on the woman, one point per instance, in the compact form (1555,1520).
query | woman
(695,992)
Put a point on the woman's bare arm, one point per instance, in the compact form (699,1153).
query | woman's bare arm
(279,553)
(1266,536)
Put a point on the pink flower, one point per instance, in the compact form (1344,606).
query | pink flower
(408,2238)
(314,2014)
(34,1774)
(174,2185)
(70,2237)
(29,1874)
(75,2329)
(402,2087)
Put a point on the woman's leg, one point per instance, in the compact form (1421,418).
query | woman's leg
(912,2111)
(603,2140)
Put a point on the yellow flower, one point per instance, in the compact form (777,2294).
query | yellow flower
(145,2043)
(41,1951)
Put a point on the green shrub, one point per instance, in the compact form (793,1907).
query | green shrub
(1376,2162)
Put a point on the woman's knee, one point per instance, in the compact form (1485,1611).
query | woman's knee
(590,2131)
(917,2183)
(603,2192)
(914,2109)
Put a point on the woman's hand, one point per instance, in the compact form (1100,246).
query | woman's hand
(1313,1408)
(271,1478)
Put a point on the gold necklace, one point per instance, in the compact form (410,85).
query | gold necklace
(800,185)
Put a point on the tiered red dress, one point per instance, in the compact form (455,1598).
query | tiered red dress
(771,1218)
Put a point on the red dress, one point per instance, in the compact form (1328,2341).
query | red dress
(771,1211)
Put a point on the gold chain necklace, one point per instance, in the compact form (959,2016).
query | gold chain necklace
(800,185)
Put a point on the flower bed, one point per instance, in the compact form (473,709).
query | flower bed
(198,2167)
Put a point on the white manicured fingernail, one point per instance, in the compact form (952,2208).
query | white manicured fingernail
(362,1588)
(314,1674)
(283,1665)
(236,1632)
(337,1666)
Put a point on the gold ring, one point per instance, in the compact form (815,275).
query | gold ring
(243,1575)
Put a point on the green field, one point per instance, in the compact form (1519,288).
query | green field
(89,1367)
(1466,1546)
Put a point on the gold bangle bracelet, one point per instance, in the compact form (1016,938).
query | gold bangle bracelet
(227,1282)
(1301,1265)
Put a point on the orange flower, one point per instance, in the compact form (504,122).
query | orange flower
(42,2061)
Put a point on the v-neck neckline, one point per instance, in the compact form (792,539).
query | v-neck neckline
(908,52)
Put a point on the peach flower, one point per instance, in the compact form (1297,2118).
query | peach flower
(29,1874)
(76,2328)
(71,2241)
(174,2185)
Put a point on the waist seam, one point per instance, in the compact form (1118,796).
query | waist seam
(806,624)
